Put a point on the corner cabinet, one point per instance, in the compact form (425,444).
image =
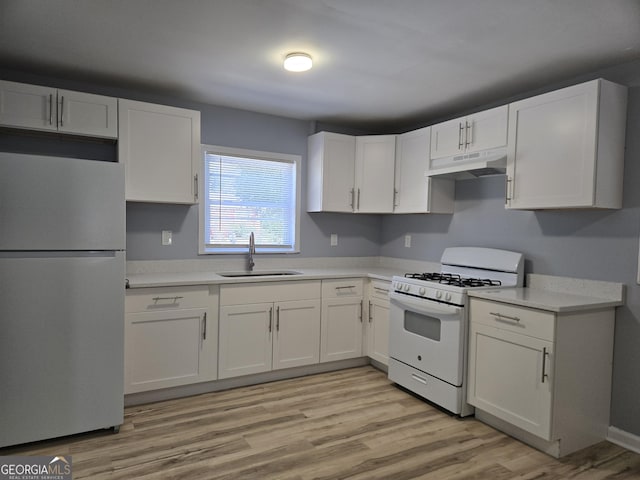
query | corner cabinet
(566,148)
(171,337)
(160,149)
(415,192)
(268,326)
(541,376)
(35,107)
(342,319)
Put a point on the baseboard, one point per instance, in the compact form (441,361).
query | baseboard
(624,439)
(151,396)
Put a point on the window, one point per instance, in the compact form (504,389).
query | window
(246,191)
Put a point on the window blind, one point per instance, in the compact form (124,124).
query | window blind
(244,195)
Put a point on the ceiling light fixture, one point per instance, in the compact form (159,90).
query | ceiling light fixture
(298,62)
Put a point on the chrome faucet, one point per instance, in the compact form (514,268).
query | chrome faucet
(252,251)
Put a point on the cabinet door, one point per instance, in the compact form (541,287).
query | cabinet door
(412,163)
(245,339)
(330,172)
(487,129)
(378,330)
(375,165)
(27,106)
(552,149)
(510,377)
(447,138)
(341,329)
(165,349)
(87,114)
(160,148)
(297,334)
(415,192)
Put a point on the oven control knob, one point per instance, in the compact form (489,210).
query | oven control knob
(438,294)
(447,297)
(407,287)
(422,291)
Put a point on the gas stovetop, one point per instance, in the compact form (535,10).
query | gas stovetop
(454,280)
(463,268)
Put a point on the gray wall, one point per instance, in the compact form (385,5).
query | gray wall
(600,245)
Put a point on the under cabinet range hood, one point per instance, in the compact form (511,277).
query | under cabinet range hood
(470,165)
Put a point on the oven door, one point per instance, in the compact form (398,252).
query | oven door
(427,335)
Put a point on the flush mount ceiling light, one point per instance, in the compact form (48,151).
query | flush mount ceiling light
(298,62)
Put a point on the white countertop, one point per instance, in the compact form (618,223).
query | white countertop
(553,301)
(169,279)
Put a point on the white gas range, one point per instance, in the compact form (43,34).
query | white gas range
(429,321)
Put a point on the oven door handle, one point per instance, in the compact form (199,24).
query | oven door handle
(425,307)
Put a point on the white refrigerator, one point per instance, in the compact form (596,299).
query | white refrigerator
(62,271)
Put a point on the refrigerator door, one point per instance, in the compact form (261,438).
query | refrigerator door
(53,203)
(61,345)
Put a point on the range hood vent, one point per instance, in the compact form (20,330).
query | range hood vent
(470,165)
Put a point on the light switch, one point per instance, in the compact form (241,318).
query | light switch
(407,241)
(334,239)
(167,237)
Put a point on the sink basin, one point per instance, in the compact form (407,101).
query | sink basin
(259,273)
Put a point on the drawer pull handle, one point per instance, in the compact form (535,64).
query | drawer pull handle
(383,290)
(173,299)
(505,318)
(346,286)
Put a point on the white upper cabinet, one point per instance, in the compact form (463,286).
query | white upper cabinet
(350,174)
(415,192)
(330,172)
(375,165)
(160,148)
(473,133)
(566,148)
(35,107)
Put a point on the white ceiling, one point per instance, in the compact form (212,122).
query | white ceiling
(375,61)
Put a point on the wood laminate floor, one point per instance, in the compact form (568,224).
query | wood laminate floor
(348,424)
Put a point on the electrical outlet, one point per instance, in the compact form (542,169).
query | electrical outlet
(407,241)
(334,239)
(167,237)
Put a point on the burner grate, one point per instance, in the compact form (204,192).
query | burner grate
(454,279)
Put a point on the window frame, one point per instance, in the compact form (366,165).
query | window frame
(257,155)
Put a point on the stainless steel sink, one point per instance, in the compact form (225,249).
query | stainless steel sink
(259,273)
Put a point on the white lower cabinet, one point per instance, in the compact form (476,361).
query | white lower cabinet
(342,322)
(377,326)
(541,376)
(268,326)
(171,337)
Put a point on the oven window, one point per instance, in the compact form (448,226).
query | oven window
(422,325)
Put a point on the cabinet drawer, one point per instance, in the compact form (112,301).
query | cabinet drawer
(166,298)
(267,292)
(346,287)
(526,321)
(379,289)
